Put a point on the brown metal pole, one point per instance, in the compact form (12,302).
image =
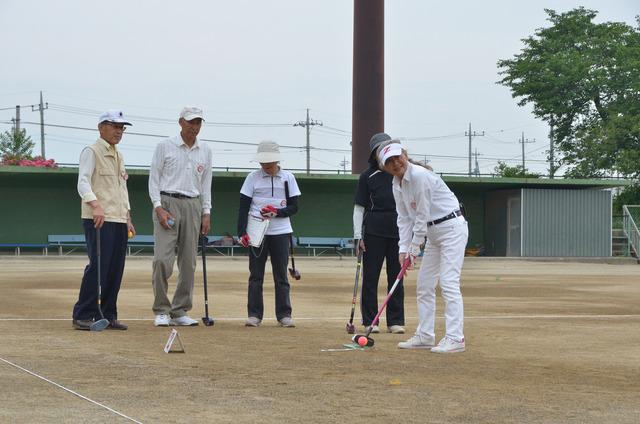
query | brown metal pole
(368,79)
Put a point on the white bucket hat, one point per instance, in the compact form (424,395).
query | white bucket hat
(268,151)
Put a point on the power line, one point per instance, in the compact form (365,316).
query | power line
(320,149)
(151,119)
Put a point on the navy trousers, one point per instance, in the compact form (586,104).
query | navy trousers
(113,251)
(379,249)
(277,247)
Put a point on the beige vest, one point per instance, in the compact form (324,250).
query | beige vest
(108,183)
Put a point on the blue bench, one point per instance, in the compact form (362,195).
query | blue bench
(221,246)
(136,244)
(320,245)
(60,241)
(19,246)
(75,241)
(140,242)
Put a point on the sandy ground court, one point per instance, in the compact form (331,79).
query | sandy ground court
(547,342)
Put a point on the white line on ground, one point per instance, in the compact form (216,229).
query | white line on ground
(467,318)
(69,390)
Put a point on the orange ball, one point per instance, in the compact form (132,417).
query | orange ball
(130,234)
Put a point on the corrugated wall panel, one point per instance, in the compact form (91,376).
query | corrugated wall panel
(566,222)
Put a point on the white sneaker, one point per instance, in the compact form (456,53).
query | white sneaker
(396,329)
(183,320)
(448,345)
(287,322)
(252,322)
(374,330)
(417,342)
(162,320)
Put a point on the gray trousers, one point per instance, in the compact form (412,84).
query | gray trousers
(277,247)
(181,238)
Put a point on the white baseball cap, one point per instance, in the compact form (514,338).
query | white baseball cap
(189,113)
(268,151)
(390,150)
(113,115)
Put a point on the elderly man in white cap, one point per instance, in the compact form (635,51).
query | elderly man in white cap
(102,185)
(269,193)
(180,190)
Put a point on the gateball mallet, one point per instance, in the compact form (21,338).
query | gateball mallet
(351,329)
(206,320)
(364,339)
(102,323)
(295,274)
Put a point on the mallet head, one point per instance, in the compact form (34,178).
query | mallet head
(357,337)
(351,329)
(208,321)
(295,274)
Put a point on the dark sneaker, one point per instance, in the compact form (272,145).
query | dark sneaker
(117,325)
(82,324)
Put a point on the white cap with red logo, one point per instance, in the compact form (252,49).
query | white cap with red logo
(393,149)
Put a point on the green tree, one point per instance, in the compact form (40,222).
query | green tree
(504,170)
(583,79)
(629,195)
(15,145)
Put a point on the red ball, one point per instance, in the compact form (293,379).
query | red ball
(362,341)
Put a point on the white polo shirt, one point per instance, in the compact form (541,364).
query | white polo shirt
(266,190)
(422,197)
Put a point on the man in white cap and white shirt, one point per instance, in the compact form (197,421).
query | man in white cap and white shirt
(271,193)
(180,190)
(102,185)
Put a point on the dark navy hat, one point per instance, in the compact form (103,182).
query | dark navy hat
(376,140)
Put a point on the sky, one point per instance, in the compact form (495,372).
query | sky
(255,67)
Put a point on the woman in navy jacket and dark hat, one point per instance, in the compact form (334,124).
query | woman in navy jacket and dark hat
(376,232)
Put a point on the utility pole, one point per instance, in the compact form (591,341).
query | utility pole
(308,124)
(344,164)
(476,170)
(17,126)
(41,107)
(552,168)
(523,141)
(471,135)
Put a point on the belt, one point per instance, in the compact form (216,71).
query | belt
(452,215)
(178,195)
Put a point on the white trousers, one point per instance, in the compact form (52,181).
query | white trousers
(442,262)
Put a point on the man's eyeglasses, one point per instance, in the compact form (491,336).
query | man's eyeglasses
(117,126)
